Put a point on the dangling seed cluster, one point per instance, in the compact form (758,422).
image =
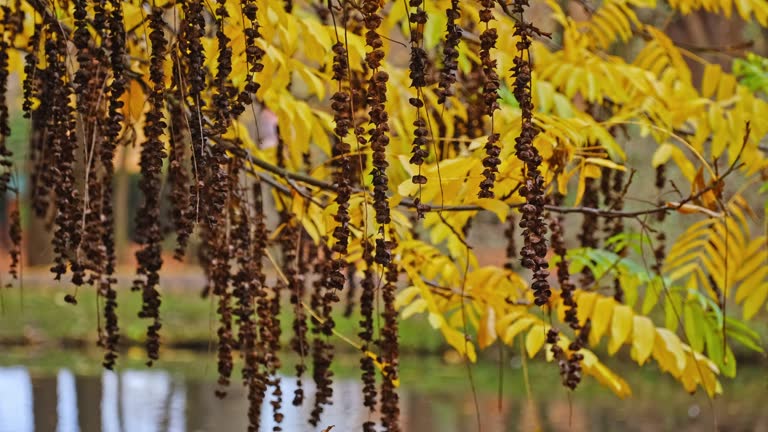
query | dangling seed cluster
(74,94)
(179,165)
(253,56)
(61,146)
(418,75)
(449,71)
(149,233)
(377,97)
(390,409)
(6,40)
(367,298)
(490,98)
(342,177)
(534,251)
(322,350)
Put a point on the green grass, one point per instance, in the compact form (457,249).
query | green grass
(188,320)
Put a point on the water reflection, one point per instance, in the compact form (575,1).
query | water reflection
(149,401)
(16,413)
(157,400)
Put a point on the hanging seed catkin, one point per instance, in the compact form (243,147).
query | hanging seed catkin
(366,334)
(62,144)
(379,133)
(418,74)
(449,71)
(149,234)
(490,90)
(322,328)
(179,166)
(253,55)
(342,175)
(534,251)
(390,407)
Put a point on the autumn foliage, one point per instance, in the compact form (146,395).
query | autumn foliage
(398,124)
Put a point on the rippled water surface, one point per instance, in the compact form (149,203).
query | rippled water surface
(70,395)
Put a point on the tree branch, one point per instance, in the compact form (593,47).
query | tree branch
(409,203)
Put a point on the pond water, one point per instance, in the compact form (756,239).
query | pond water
(59,392)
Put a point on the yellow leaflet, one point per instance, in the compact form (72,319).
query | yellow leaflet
(134,100)
(605,163)
(643,338)
(755,301)
(672,343)
(586,301)
(747,287)
(497,207)
(417,306)
(518,326)
(486,332)
(459,342)
(592,366)
(535,339)
(601,318)
(711,79)
(621,327)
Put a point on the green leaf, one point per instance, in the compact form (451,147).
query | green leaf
(714,342)
(691,324)
(652,292)
(729,363)
(672,309)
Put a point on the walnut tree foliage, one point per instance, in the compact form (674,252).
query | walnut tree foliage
(397,124)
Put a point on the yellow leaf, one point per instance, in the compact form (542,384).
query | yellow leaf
(711,79)
(417,306)
(643,338)
(662,154)
(581,186)
(755,301)
(459,342)
(486,332)
(592,366)
(621,327)
(135,101)
(601,318)
(406,296)
(585,301)
(497,207)
(673,346)
(436,320)
(605,163)
(518,326)
(535,339)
